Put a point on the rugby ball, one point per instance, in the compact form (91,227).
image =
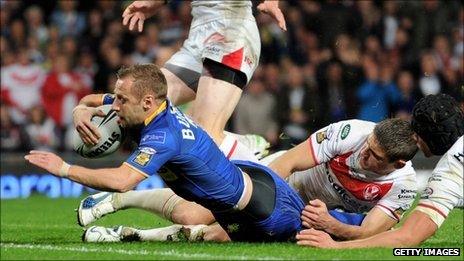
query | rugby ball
(112,135)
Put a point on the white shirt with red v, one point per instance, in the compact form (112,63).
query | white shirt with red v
(339,181)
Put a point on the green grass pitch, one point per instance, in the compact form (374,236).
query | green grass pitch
(43,228)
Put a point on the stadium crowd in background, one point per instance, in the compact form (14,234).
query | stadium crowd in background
(338,60)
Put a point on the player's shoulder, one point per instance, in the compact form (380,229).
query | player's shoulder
(456,152)
(159,135)
(452,161)
(352,130)
(358,124)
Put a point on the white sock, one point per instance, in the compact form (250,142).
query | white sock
(235,150)
(175,232)
(160,234)
(158,201)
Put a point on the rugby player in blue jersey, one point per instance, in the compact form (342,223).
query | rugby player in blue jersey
(248,200)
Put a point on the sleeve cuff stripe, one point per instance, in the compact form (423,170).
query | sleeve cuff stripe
(136,169)
(433,208)
(391,211)
(312,150)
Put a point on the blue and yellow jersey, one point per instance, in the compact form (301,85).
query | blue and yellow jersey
(187,159)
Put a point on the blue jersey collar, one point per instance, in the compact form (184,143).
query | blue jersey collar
(152,116)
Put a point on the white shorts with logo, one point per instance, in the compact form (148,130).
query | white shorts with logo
(234,42)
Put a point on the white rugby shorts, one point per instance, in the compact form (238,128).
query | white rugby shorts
(232,42)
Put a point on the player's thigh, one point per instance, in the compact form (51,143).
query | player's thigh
(235,44)
(214,104)
(182,72)
(179,91)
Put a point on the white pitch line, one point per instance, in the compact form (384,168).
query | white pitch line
(41,226)
(171,253)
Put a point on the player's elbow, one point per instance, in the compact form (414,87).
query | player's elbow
(125,188)
(124,179)
(121,189)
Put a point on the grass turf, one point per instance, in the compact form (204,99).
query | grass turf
(43,228)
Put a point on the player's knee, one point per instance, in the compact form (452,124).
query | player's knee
(222,72)
(191,214)
(183,217)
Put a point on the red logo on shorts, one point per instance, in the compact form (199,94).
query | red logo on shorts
(214,38)
(371,191)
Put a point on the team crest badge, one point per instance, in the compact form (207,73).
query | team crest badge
(144,156)
(321,136)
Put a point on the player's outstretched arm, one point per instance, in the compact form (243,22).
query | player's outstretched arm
(315,215)
(271,7)
(298,158)
(416,229)
(137,12)
(120,179)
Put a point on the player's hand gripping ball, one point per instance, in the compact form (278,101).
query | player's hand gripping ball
(112,135)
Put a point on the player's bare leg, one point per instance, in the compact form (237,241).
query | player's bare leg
(214,104)
(190,213)
(166,204)
(216,100)
(178,92)
(162,202)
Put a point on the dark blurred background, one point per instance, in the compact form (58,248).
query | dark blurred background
(339,60)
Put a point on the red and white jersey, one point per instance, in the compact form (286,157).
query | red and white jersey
(444,190)
(339,181)
(22,83)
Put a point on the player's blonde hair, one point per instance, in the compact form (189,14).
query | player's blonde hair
(148,79)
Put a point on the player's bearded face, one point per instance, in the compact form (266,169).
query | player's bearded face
(128,107)
(373,158)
